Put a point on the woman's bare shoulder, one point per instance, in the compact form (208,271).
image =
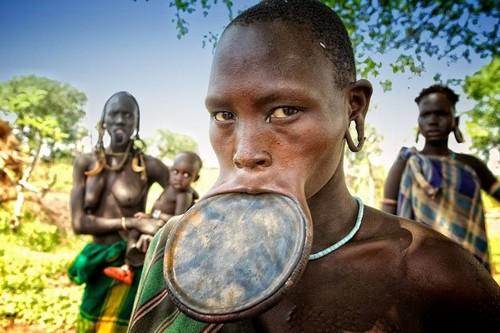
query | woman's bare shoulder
(439,266)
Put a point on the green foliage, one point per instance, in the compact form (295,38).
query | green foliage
(448,30)
(386,85)
(189,6)
(34,236)
(493,232)
(34,288)
(47,112)
(483,125)
(490,203)
(364,177)
(59,171)
(169,143)
(183,7)
(437,29)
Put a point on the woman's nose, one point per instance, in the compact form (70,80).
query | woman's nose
(433,119)
(244,158)
(249,154)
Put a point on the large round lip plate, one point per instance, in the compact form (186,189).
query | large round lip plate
(232,256)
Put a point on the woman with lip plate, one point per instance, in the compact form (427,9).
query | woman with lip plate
(438,187)
(110,185)
(279,244)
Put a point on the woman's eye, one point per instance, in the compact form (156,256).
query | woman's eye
(186,175)
(223,116)
(175,172)
(283,112)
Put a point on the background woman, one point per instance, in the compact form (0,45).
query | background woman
(109,187)
(436,186)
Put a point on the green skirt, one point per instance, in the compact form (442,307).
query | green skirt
(107,303)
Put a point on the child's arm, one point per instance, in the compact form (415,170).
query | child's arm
(159,215)
(183,201)
(162,209)
(141,215)
(143,242)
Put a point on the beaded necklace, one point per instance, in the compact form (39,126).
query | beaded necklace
(348,237)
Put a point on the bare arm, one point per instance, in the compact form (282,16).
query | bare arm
(489,183)
(183,201)
(157,171)
(391,187)
(160,173)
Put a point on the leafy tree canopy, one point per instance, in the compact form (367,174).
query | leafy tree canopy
(415,30)
(448,30)
(168,143)
(483,125)
(46,111)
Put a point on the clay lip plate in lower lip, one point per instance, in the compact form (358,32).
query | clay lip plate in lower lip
(214,266)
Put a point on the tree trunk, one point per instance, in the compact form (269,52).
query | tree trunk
(18,207)
(29,170)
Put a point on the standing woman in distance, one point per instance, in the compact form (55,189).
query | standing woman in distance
(438,187)
(110,185)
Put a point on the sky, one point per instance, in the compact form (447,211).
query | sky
(101,47)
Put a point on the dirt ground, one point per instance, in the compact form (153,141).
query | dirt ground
(56,205)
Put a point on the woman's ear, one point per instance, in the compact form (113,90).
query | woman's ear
(359,94)
(457,132)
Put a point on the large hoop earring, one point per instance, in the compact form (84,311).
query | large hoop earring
(458,135)
(350,142)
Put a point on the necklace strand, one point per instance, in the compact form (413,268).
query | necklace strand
(121,163)
(348,237)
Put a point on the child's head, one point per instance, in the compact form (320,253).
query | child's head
(185,170)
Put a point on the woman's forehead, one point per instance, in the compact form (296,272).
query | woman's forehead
(268,51)
(435,100)
(121,103)
(272,42)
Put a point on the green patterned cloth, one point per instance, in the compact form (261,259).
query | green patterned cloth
(107,303)
(153,311)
